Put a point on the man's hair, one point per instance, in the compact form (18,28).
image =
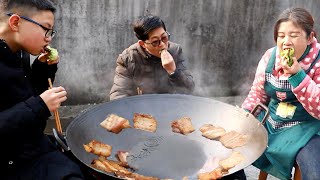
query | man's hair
(26,7)
(145,24)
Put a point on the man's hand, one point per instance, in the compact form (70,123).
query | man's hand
(54,97)
(167,61)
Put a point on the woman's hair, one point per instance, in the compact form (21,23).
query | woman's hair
(145,24)
(299,16)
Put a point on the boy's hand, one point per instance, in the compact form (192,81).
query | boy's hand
(54,97)
(50,56)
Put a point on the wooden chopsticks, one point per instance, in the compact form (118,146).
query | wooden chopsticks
(56,113)
(139,91)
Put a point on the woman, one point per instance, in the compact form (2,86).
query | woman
(291,93)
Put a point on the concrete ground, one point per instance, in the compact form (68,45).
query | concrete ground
(68,113)
(252,173)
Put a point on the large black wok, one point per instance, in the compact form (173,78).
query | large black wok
(165,154)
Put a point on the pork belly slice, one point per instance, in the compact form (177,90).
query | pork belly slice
(212,175)
(182,126)
(122,157)
(118,170)
(144,122)
(98,148)
(110,166)
(233,139)
(135,176)
(212,132)
(115,123)
(234,159)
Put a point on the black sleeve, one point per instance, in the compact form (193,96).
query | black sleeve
(39,75)
(23,118)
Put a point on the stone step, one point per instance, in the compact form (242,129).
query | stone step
(66,115)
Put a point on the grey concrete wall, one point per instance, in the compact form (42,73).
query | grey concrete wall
(223,40)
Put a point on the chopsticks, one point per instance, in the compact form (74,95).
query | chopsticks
(139,91)
(56,113)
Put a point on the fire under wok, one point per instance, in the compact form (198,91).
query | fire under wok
(165,154)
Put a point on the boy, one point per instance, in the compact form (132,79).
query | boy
(26,26)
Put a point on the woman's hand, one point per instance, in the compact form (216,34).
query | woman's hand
(290,70)
(167,61)
(54,97)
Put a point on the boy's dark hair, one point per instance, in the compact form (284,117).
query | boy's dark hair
(26,7)
(145,24)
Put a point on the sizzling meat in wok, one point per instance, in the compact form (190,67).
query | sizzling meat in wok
(115,123)
(98,148)
(135,176)
(212,175)
(122,157)
(109,166)
(118,170)
(233,139)
(182,125)
(144,122)
(231,161)
(212,132)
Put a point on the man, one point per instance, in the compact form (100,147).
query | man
(153,65)
(26,27)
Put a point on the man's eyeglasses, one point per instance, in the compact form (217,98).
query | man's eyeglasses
(156,43)
(49,32)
